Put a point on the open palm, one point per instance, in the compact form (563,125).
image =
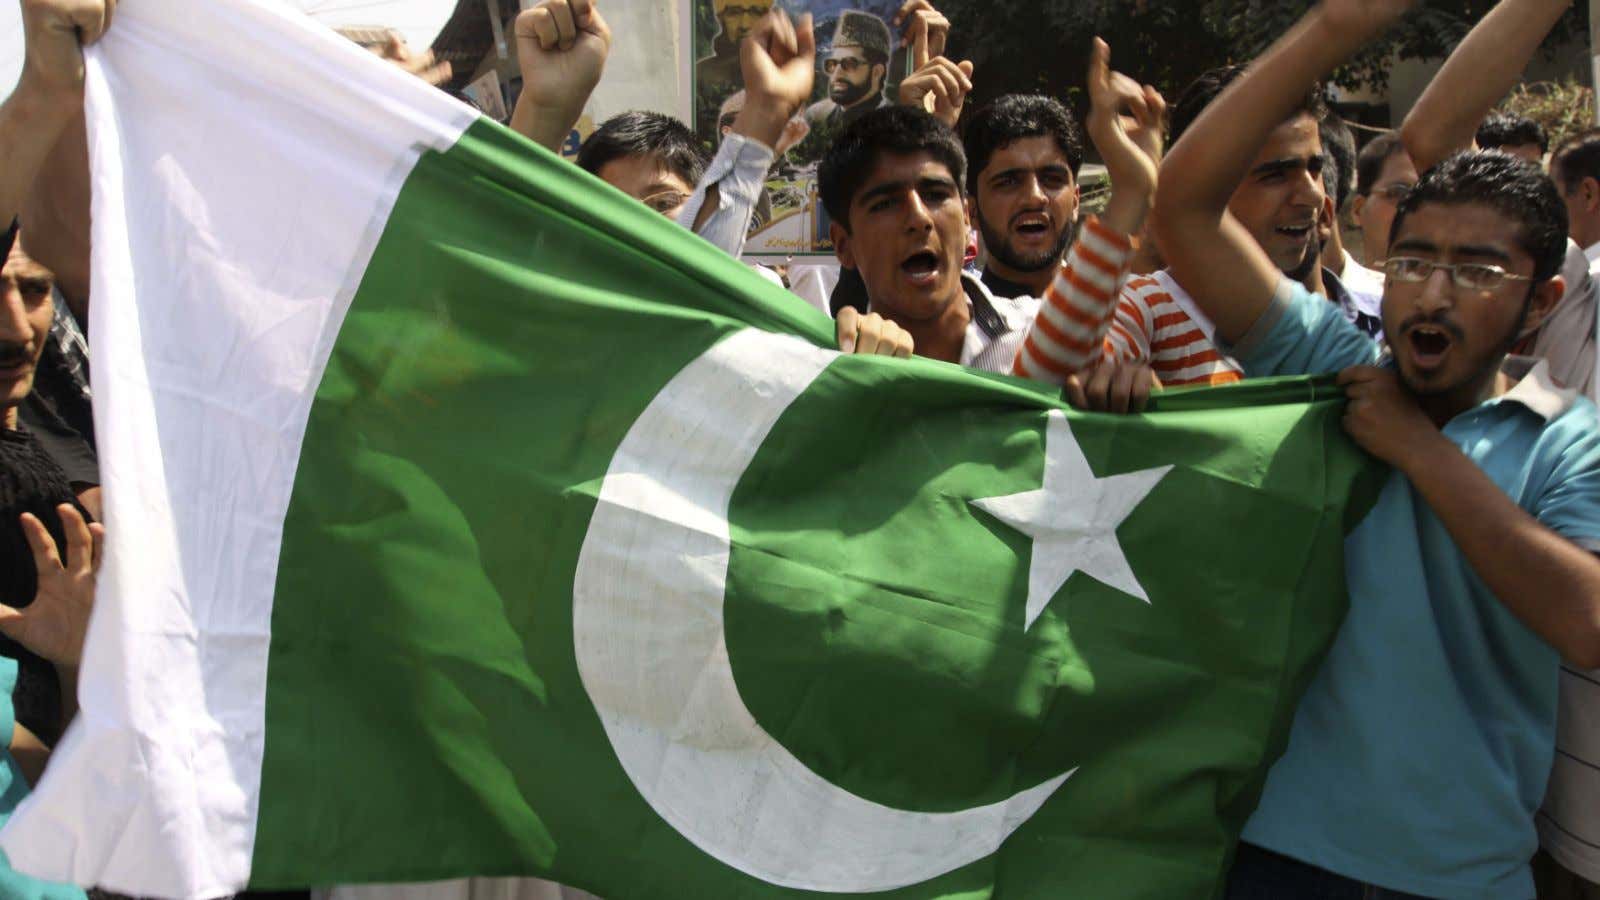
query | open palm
(55,623)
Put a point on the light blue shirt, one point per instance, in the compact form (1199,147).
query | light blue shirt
(12,790)
(1421,749)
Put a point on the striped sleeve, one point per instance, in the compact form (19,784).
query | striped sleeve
(1069,332)
(1133,326)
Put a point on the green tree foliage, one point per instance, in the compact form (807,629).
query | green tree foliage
(1564,108)
(1043,45)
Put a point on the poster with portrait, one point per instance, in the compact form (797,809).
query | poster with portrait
(860,65)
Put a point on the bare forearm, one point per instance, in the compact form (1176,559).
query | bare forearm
(1549,583)
(1477,75)
(762,120)
(545,126)
(1201,172)
(31,120)
(1209,252)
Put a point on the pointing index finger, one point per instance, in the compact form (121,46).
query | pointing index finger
(919,44)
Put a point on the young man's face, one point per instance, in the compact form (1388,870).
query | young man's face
(1281,199)
(740,17)
(852,77)
(25,315)
(1375,210)
(1583,206)
(1446,338)
(1026,204)
(643,178)
(907,237)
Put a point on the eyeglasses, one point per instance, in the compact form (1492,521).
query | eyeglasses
(1467,276)
(666,201)
(849,63)
(1395,191)
(736,11)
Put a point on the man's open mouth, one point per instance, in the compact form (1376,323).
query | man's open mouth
(1032,226)
(922,267)
(1298,232)
(1430,345)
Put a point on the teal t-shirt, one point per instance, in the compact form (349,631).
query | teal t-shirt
(1420,752)
(13,787)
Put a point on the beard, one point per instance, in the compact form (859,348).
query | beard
(999,247)
(848,93)
(1482,372)
(1313,258)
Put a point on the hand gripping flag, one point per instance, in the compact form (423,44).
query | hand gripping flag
(466,517)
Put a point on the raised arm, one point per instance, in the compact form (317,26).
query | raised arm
(936,85)
(1210,253)
(562,47)
(50,92)
(1477,75)
(1125,120)
(778,62)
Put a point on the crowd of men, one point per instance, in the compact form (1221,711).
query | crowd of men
(1441,751)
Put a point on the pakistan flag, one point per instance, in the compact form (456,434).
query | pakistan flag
(467,518)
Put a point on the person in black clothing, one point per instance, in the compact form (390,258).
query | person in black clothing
(32,484)
(1024,154)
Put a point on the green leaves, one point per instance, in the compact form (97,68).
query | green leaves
(1029,45)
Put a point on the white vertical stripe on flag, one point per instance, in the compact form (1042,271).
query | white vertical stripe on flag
(244,163)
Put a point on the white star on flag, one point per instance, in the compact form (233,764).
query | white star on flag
(1073,519)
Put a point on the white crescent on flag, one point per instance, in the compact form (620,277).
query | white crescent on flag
(647,611)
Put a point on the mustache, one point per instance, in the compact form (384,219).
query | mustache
(14,354)
(1438,320)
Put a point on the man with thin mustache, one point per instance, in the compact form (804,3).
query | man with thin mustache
(49,554)
(1421,749)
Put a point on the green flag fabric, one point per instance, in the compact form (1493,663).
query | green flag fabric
(468,518)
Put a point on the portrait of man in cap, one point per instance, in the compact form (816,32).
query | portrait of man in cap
(856,69)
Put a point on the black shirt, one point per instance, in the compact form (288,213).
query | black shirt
(30,481)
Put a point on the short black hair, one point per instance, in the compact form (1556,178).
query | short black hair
(1369,163)
(1511,130)
(639,133)
(1515,188)
(1339,158)
(1199,94)
(1577,158)
(894,130)
(1012,118)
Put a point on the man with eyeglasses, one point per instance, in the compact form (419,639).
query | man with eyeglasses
(1279,200)
(856,67)
(1421,750)
(1384,175)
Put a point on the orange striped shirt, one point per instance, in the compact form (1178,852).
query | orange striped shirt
(1069,332)
(1151,325)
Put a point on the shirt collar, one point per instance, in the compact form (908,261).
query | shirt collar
(988,323)
(1347,263)
(1535,389)
(1001,286)
(1592,252)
